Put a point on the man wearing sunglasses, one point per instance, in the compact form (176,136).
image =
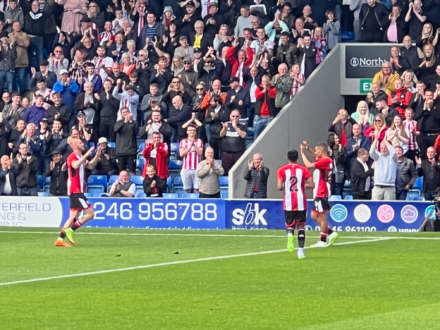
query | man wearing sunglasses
(189,77)
(57,61)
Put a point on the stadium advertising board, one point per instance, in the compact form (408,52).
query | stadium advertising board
(344,215)
(365,61)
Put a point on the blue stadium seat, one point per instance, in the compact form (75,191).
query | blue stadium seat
(40,182)
(43,194)
(347,184)
(174,149)
(105,194)
(178,186)
(250,131)
(224,181)
(141,147)
(224,194)
(97,184)
(169,184)
(335,198)
(112,179)
(91,144)
(419,184)
(412,195)
(111,144)
(46,185)
(138,181)
(174,167)
(349,197)
(140,163)
(186,195)
(347,36)
(88,195)
(140,194)
(168,195)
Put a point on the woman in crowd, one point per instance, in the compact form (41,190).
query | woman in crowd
(74,10)
(332,30)
(167,17)
(320,43)
(173,34)
(221,36)
(339,155)
(96,16)
(409,80)
(396,134)
(363,116)
(427,37)
(177,66)
(429,63)
(380,126)
(127,67)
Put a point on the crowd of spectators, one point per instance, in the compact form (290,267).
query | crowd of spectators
(196,73)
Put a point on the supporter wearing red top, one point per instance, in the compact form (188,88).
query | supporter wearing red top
(239,63)
(321,177)
(379,124)
(156,154)
(293,179)
(191,151)
(264,106)
(400,98)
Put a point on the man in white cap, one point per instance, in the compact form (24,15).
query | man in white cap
(107,160)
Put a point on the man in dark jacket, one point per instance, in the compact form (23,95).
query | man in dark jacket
(209,70)
(162,76)
(5,136)
(109,112)
(256,177)
(27,168)
(410,52)
(34,27)
(7,178)
(356,142)
(406,174)
(361,176)
(57,171)
(107,164)
(373,19)
(156,124)
(180,115)
(8,55)
(429,169)
(342,126)
(237,98)
(58,111)
(126,143)
(49,77)
(35,113)
(217,115)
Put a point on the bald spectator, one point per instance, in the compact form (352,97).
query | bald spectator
(209,171)
(400,97)
(234,141)
(385,170)
(283,83)
(179,115)
(35,113)
(7,178)
(256,176)
(307,55)
(123,187)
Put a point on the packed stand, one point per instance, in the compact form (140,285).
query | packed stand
(179,75)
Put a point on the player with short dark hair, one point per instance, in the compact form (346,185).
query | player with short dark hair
(321,177)
(294,179)
(76,165)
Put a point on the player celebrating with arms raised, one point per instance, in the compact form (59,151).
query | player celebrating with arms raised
(76,164)
(294,179)
(321,193)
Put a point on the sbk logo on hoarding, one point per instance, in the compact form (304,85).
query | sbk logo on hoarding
(250,216)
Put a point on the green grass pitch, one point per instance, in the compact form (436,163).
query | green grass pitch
(134,279)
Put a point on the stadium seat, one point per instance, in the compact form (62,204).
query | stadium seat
(178,186)
(412,195)
(141,147)
(224,181)
(140,163)
(43,194)
(88,195)
(40,182)
(111,144)
(46,185)
(174,149)
(347,36)
(112,180)
(349,197)
(105,194)
(140,194)
(419,184)
(168,195)
(91,144)
(97,184)
(347,184)
(420,199)
(186,195)
(138,181)
(335,198)
(174,167)
(224,194)
(97,194)
(250,131)
(169,184)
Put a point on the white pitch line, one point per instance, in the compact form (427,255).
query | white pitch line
(168,264)
(212,235)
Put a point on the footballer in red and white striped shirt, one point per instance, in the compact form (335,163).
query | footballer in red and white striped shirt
(321,177)
(191,151)
(293,179)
